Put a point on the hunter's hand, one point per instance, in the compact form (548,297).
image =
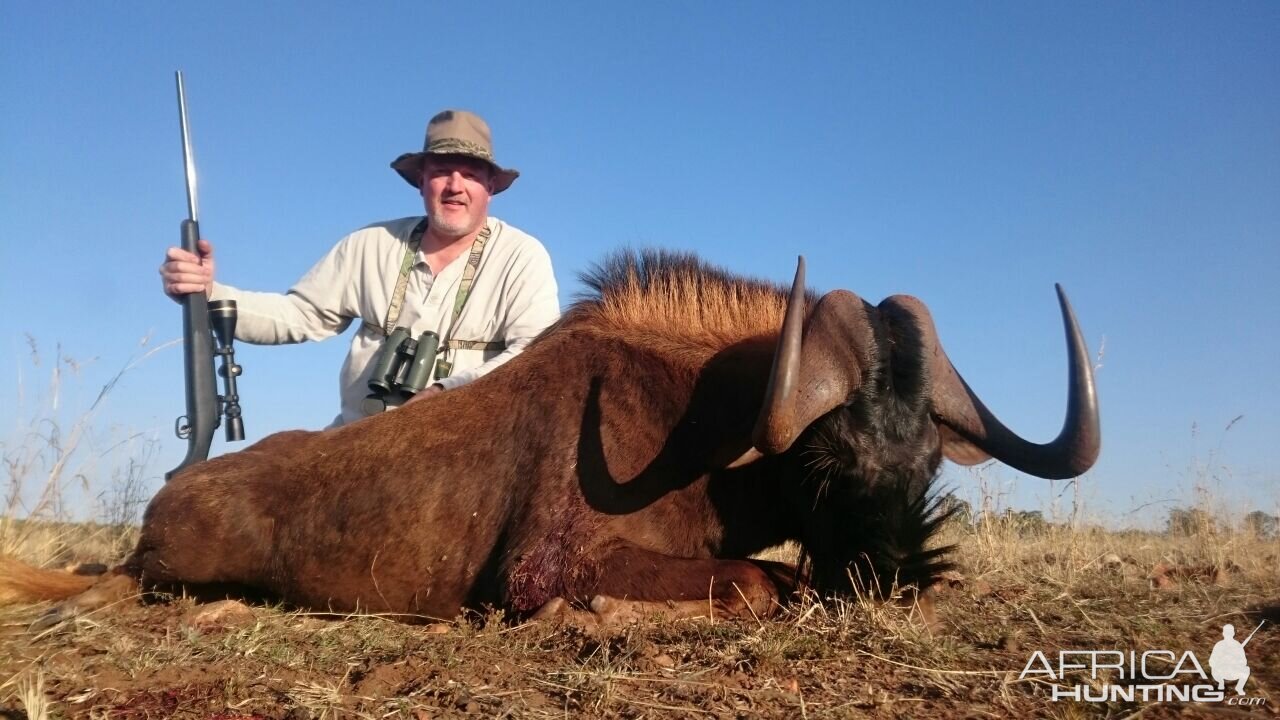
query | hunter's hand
(429,390)
(183,273)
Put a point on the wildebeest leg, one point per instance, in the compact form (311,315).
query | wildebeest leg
(634,583)
(118,584)
(608,611)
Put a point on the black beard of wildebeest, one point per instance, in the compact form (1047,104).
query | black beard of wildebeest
(674,422)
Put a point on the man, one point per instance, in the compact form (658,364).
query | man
(1227,662)
(484,287)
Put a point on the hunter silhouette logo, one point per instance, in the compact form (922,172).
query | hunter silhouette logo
(1227,662)
(1148,675)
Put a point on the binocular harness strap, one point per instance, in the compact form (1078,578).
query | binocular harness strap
(402,283)
(475,345)
(460,300)
(469,275)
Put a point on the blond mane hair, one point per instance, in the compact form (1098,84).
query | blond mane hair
(675,301)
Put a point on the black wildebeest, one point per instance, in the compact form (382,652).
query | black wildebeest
(671,424)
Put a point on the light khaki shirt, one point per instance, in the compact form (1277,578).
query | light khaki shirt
(513,298)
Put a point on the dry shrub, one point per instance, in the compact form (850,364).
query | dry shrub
(63,464)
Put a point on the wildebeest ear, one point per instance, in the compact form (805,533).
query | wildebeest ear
(958,450)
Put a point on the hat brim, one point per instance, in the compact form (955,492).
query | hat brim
(409,167)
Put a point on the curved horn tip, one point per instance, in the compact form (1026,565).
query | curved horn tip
(1065,304)
(1077,446)
(773,431)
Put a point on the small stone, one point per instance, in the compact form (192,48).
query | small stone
(221,614)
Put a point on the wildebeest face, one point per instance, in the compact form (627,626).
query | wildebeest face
(865,473)
(865,402)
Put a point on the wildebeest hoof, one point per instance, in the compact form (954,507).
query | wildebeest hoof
(601,605)
(613,612)
(53,617)
(605,612)
(554,609)
(108,590)
(560,612)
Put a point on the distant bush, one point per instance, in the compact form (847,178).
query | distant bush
(1262,525)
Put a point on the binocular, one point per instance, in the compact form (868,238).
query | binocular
(401,370)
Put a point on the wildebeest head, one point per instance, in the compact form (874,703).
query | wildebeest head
(865,403)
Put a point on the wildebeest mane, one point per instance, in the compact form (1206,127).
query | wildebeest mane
(679,296)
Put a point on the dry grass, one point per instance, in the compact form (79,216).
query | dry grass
(61,464)
(1015,592)
(1022,585)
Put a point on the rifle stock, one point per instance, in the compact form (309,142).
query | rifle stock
(201,420)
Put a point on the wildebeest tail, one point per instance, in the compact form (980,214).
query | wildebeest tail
(20,582)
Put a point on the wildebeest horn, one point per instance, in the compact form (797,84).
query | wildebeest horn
(957,407)
(815,368)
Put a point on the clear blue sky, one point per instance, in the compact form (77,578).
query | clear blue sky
(971,154)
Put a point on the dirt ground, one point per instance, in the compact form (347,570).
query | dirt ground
(177,659)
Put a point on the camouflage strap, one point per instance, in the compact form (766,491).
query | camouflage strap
(445,367)
(402,283)
(475,345)
(469,275)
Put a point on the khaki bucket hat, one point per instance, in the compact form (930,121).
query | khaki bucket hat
(455,132)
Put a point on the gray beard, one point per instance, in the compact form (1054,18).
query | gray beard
(444,229)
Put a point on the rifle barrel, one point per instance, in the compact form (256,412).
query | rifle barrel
(193,209)
(1255,630)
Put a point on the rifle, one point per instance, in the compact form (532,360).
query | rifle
(208,329)
(1255,630)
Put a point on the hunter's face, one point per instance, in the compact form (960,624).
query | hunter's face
(455,192)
